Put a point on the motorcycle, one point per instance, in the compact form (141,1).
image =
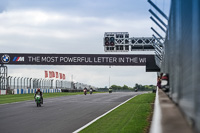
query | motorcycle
(38,100)
(85,92)
(90,91)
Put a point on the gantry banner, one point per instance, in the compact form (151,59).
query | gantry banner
(78,59)
(73,59)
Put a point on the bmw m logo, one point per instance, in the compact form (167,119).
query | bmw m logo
(5,58)
(18,59)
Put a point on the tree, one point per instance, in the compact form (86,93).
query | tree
(125,87)
(143,88)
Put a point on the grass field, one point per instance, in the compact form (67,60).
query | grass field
(24,97)
(131,117)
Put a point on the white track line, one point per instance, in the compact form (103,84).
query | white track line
(78,130)
(156,122)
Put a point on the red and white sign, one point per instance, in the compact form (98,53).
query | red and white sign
(52,74)
(57,75)
(46,74)
(61,75)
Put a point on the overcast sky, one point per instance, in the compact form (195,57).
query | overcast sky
(74,27)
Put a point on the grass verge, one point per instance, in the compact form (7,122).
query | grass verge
(131,117)
(25,97)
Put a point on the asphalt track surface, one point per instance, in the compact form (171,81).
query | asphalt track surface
(58,115)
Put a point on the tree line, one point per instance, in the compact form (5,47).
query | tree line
(137,87)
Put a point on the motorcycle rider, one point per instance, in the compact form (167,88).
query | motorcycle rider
(85,90)
(110,90)
(91,90)
(38,92)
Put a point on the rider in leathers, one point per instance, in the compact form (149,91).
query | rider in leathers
(38,92)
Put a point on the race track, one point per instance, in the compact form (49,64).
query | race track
(58,115)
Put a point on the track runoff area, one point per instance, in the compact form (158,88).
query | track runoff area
(62,114)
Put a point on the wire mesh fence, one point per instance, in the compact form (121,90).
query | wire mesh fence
(181,58)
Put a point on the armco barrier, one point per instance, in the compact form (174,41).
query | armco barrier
(28,91)
(3,92)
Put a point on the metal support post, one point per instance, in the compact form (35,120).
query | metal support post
(51,83)
(18,82)
(24,82)
(158,9)
(30,83)
(27,79)
(157,18)
(158,24)
(3,77)
(38,83)
(161,44)
(21,82)
(14,81)
(7,82)
(11,81)
(157,33)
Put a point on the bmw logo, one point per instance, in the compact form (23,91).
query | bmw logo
(5,58)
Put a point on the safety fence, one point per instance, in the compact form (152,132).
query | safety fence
(181,58)
(23,85)
(28,91)
(32,83)
(3,92)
